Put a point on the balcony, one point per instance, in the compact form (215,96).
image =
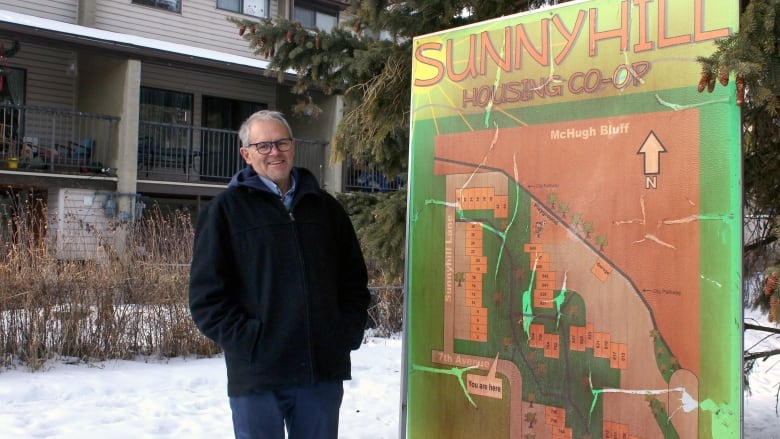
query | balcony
(186,153)
(362,177)
(55,140)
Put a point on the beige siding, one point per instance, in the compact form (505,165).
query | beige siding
(200,24)
(246,88)
(49,80)
(60,10)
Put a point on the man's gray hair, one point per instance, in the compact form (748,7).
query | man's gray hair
(243,132)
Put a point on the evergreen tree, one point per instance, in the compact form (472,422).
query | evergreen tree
(367,60)
(372,71)
(376,217)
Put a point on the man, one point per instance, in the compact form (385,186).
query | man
(279,282)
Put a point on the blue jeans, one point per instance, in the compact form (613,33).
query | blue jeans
(308,412)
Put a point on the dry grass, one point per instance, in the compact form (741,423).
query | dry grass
(114,308)
(385,314)
(117,307)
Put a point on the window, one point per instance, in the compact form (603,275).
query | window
(164,128)
(312,15)
(221,118)
(12,85)
(12,81)
(168,5)
(227,114)
(165,106)
(256,8)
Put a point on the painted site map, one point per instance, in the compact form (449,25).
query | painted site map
(536,262)
(574,227)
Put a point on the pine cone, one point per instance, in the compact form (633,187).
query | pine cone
(723,75)
(740,90)
(241,30)
(710,84)
(705,79)
(289,36)
(771,283)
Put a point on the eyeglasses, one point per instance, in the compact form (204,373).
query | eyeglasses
(281,145)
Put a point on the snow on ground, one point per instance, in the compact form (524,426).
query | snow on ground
(178,398)
(760,407)
(186,398)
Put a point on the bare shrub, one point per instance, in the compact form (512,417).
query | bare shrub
(118,306)
(385,313)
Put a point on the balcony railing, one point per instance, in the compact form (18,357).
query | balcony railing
(56,140)
(360,177)
(63,141)
(172,152)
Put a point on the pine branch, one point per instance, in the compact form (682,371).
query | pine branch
(763,242)
(764,354)
(761,328)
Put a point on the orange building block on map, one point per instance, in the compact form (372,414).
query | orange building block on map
(601,270)
(545,284)
(546,275)
(478,332)
(589,335)
(601,345)
(478,198)
(479,316)
(471,226)
(577,338)
(554,416)
(536,335)
(616,430)
(623,357)
(561,433)
(478,324)
(607,427)
(501,206)
(533,248)
(543,298)
(552,346)
(478,264)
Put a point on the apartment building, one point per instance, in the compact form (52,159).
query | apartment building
(110,105)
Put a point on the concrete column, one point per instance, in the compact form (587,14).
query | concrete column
(86,13)
(127,154)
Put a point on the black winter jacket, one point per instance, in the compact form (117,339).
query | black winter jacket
(284,294)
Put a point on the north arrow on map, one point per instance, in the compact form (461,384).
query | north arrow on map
(652,149)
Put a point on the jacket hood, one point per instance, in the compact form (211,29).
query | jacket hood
(247,177)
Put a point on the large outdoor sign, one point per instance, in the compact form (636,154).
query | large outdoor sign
(575,227)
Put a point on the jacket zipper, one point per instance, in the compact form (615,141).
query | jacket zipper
(305,292)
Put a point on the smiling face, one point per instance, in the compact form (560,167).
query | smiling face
(276,165)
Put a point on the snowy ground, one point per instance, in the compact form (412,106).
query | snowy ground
(186,398)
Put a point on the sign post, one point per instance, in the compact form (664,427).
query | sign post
(574,227)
